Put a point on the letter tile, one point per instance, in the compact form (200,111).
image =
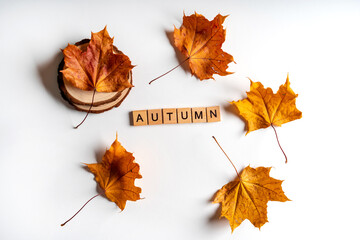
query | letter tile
(184,115)
(140,118)
(213,114)
(169,115)
(155,116)
(198,114)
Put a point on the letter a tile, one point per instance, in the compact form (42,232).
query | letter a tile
(139,118)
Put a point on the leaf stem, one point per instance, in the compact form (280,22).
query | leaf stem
(227,157)
(92,103)
(170,70)
(279,143)
(80,209)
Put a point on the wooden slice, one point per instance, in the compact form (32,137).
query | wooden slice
(95,109)
(81,97)
(81,100)
(106,106)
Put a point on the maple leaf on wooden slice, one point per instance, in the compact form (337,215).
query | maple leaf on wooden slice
(116,174)
(247,197)
(200,41)
(263,108)
(98,67)
(81,100)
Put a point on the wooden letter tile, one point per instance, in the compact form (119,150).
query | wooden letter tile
(198,115)
(184,115)
(140,118)
(155,116)
(169,115)
(213,114)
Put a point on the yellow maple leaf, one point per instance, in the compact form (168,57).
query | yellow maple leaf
(262,108)
(247,197)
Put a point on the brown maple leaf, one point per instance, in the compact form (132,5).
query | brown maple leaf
(262,108)
(200,41)
(247,196)
(98,67)
(116,175)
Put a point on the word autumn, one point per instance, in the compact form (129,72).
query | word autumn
(175,115)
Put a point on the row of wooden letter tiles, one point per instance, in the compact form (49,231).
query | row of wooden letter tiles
(176,115)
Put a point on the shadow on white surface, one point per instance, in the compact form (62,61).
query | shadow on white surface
(48,72)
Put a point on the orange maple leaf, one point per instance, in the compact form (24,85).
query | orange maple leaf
(262,108)
(116,175)
(247,197)
(97,68)
(200,40)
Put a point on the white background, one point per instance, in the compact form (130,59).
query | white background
(43,182)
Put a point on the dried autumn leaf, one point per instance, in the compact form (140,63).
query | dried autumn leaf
(247,197)
(262,108)
(200,41)
(116,175)
(97,68)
